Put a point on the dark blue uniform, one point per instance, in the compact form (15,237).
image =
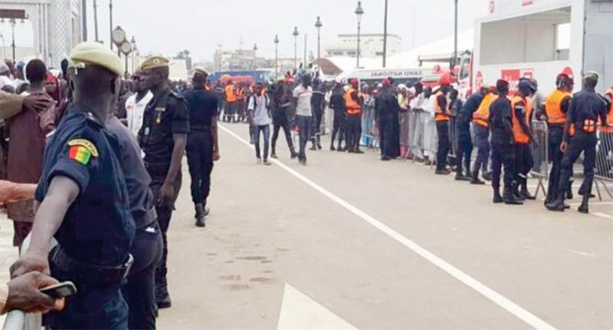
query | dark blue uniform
(95,237)
(465,144)
(167,114)
(585,109)
(501,126)
(202,110)
(147,247)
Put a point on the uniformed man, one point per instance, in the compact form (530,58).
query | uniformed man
(139,291)
(354,101)
(317,104)
(442,116)
(84,201)
(556,110)
(230,102)
(202,143)
(337,103)
(523,109)
(501,126)
(585,109)
(281,106)
(163,138)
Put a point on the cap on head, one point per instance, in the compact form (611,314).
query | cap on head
(502,85)
(524,85)
(201,71)
(94,53)
(386,82)
(153,62)
(445,80)
(591,75)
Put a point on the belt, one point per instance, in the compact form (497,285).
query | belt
(200,127)
(157,167)
(147,218)
(89,272)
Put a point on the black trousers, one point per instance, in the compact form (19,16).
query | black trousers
(281,121)
(465,145)
(503,155)
(139,291)
(581,143)
(386,135)
(442,128)
(524,160)
(318,115)
(200,163)
(338,128)
(164,212)
(353,131)
(554,140)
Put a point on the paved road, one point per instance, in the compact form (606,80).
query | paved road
(350,242)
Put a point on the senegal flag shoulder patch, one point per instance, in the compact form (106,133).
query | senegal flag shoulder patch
(82,151)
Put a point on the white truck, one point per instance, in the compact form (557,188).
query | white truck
(540,39)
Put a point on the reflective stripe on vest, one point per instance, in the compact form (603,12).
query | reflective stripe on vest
(482,115)
(519,134)
(353,106)
(553,107)
(609,129)
(438,111)
(230,96)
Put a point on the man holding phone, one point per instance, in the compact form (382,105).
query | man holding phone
(23,293)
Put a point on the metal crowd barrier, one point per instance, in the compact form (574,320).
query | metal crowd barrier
(370,131)
(604,164)
(19,320)
(540,154)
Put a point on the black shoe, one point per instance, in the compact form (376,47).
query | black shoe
(510,199)
(581,193)
(341,149)
(162,297)
(294,155)
(266,162)
(583,209)
(442,172)
(313,148)
(332,148)
(273,156)
(526,195)
(556,206)
(487,176)
(497,198)
(385,158)
(476,181)
(350,151)
(319,146)
(461,177)
(164,303)
(303,162)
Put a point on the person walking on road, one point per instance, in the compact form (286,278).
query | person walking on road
(354,101)
(163,138)
(258,114)
(202,142)
(318,103)
(503,154)
(304,114)
(281,106)
(585,109)
(337,104)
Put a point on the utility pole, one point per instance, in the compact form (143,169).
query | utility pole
(96,20)
(111,21)
(385,36)
(454,62)
(359,12)
(304,65)
(84,13)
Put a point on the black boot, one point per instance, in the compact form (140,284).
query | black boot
(524,191)
(200,215)
(487,176)
(516,193)
(569,190)
(497,198)
(557,205)
(509,197)
(475,179)
(162,297)
(584,205)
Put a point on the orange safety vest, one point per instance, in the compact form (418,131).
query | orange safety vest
(438,111)
(553,109)
(519,134)
(609,115)
(353,106)
(230,96)
(482,115)
(240,95)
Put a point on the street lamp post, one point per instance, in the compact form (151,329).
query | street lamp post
(133,42)
(454,62)
(318,25)
(111,21)
(96,20)
(385,36)
(13,23)
(276,56)
(295,34)
(255,50)
(359,12)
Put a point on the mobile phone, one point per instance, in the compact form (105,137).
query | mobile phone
(60,290)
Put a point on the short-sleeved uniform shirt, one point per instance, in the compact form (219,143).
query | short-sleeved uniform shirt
(97,228)
(501,118)
(167,114)
(202,107)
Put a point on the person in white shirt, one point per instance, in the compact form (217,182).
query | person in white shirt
(259,117)
(304,114)
(136,104)
(5,75)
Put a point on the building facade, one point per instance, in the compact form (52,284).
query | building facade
(57,26)
(371,45)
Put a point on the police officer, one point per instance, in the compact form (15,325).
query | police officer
(523,109)
(442,117)
(163,138)
(147,247)
(482,132)
(465,144)
(503,154)
(202,143)
(556,110)
(354,101)
(84,200)
(318,104)
(585,109)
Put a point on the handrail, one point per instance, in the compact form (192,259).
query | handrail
(18,319)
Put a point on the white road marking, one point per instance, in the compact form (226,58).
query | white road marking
(299,312)
(602,215)
(456,273)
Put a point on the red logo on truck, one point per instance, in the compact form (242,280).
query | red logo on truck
(479,80)
(513,76)
(527,2)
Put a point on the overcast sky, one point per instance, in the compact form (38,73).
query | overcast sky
(201,25)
